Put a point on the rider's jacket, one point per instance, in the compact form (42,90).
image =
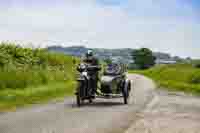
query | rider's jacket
(93,62)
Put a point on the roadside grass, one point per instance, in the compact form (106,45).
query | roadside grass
(177,77)
(11,99)
(29,76)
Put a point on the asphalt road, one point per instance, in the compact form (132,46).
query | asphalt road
(148,111)
(169,113)
(102,116)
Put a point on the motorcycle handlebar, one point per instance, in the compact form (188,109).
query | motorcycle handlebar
(89,68)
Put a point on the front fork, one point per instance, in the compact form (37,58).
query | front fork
(86,88)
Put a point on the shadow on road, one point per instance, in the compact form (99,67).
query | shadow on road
(100,104)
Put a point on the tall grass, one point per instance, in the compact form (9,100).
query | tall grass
(177,77)
(23,67)
(32,75)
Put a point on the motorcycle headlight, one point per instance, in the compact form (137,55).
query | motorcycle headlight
(82,66)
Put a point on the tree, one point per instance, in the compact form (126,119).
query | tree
(143,58)
(196,63)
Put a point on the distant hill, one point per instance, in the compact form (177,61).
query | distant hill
(101,53)
(73,50)
(123,54)
(80,50)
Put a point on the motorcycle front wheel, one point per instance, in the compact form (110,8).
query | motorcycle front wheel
(79,93)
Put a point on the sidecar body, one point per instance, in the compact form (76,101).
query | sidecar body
(114,82)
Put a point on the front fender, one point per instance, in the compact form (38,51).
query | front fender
(81,78)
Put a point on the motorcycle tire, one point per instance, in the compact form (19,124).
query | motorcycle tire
(125,92)
(78,94)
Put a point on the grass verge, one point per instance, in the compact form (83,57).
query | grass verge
(11,99)
(179,77)
(33,75)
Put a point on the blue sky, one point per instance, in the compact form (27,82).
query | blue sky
(163,25)
(194,3)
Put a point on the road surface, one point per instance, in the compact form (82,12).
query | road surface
(148,110)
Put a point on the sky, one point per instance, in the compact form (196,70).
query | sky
(171,26)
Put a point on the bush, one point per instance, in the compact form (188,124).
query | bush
(143,58)
(197,65)
(194,78)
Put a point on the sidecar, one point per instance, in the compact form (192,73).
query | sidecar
(114,82)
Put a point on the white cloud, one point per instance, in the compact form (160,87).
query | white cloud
(163,26)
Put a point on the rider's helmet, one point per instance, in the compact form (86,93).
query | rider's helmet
(89,53)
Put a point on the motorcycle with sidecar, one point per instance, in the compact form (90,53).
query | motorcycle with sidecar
(113,83)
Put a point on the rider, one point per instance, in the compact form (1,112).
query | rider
(92,61)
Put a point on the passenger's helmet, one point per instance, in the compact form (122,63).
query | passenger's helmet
(89,53)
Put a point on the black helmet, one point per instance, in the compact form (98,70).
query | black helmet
(89,53)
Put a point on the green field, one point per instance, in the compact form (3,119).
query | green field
(29,76)
(178,77)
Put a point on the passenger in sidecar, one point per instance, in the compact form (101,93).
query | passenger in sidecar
(113,69)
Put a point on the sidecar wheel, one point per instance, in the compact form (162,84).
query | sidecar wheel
(129,87)
(125,98)
(125,92)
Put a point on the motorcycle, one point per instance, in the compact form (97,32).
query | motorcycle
(112,84)
(86,83)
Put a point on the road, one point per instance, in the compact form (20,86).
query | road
(169,113)
(148,110)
